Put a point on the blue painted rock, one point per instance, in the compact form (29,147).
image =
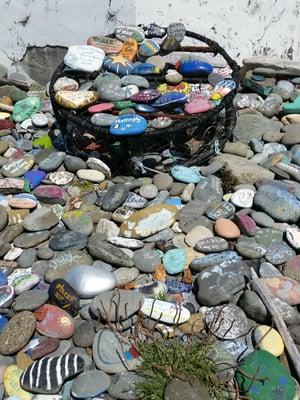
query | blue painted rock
(175,286)
(3,323)
(48,374)
(145,96)
(185,174)
(35,177)
(3,279)
(225,87)
(174,261)
(145,69)
(174,201)
(193,67)
(128,124)
(149,47)
(272,379)
(170,100)
(146,108)
(118,64)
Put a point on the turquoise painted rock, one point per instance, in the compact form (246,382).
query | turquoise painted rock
(25,108)
(174,261)
(292,108)
(118,65)
(271,380)
(128,124)
(185,174)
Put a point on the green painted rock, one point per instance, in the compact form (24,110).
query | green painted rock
(43,142)
(25,108)
(263,88)
(292,108)
(272,380)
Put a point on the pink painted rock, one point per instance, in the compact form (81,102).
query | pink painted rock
(197,106)
(51,194)
(292,268)
(54,322)
(226,229)
(246,224)
(100,107)
(11,185)
(23,201)
(284,288)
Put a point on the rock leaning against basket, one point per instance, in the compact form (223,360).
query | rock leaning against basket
(86,258)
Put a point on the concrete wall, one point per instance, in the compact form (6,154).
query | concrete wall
(243,27)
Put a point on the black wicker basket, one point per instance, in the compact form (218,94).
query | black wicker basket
(210,130)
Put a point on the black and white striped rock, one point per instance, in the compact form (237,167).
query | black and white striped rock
(48,374)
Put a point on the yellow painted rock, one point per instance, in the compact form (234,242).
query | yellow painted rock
(129,49)
(12,386)
(149,221)
(76,100)
(4,115)
(269,339)
(182,87)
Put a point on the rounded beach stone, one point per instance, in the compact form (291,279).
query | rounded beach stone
(90,384)
(177,389)
(269,339)
(30,300)
(163,181)
(91,175)
(174,261)
(226,229)
(54,322)
(148,191)
(196,234)
(123,385)
(146,260)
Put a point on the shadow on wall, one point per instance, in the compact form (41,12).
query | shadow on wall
(40,62)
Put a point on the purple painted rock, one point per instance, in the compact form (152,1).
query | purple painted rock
(51,194)
(54,322)
(197,106)
(6,296)
(246,224)
(145,96)
(284,288)
(35,178)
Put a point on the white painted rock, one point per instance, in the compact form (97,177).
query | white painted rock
(126,243)
(61,177)
(293,236)
(13,254)
(84,58)
(91,175)
(95,163)
(165,312)
(243,198)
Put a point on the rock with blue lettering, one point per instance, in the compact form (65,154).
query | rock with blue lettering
(149,47)
(174,261)
(118,65)
(175,286)
(170,101)
(145,69)
(128,124)
(193,68)
(185,174)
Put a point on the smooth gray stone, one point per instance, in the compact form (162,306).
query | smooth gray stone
(84,334)
(146,260)
(212,245)
(268,270)
(135,201)
(3,217)
(40,219)
(295,150)
(279,252)
(137,80)
(73,164)
(89,281)
(27,258)
(111,92)
(209,190)
(178,389)
(160,198)
(68,240)
(90,384)
(45,253)
(115,197)
(52,161)
(63,348)
(123,385)
(30,300)
(164,235)
(213,259)
(125,275)
(31,239)
(262,219)
(103,119)
(247,247)
(254,308)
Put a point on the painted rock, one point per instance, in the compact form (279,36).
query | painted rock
(125,32)
(225,87)
(286,289)
(50,194)
(185,174)
(13,339)
(3,278)
(193,67)
(76,100)
(54,322)
(48,374)
(89,281)
(6,296)
(149,47)
(175,286)
(146,96)
(170,100)
(35,177)
(109,351)
(128,124)
(269,339)
(272,382)
(146,108)
(161,122)
(118,65)
(176,30)
(11,380)
(25,108)
(174,261)
(23,200)
(65,83)
(145,69)
(129,49)
(182,87)
(84,58)
(61,294)
(17,167)
(130,91)
(278,252)
(293,237)
(110,91)
(212,245)
(3,323)
(292,268)
(165,312)
(102,119)
(149,221)
(197,106)
(25,282)
(98,108)
(11,185)
(107,44)
(153,30)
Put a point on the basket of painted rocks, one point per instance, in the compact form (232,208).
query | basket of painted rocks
(151,95)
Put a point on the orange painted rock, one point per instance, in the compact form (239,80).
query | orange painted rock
(226,229)
(129,49)
(54,322)
(284,288)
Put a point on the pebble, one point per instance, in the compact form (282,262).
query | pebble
(90,384)
(268,339)
(226,229)
(91,175)
(146,260)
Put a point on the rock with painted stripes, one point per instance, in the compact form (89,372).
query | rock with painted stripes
(47,375)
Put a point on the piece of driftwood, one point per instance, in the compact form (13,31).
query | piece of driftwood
(290,346)
(19,84)
(5,107)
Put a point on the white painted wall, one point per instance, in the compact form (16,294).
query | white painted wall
(243,27)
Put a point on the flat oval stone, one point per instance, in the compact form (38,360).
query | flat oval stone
(278,252)
(61,294)
(146,260)
(223,210)
(170,100)
(91,175)
(123,385)
(174,261)
(17,167)
(292,268)
(135,201)
(185,174)
(7,294)
(25,282)
(54,322)
(126,243)
(13,339)
(107,44)
(284,288)
(90,384)
(137,80)
(243,198)
(76,100)
(129,49)
(115,197)
(149,47)
(51,161)
(293,237)
(226,228)
(39,120)
(211,245)
(84,58)
(30,300)
(176,30)
(24,109)
(193,68)
(11,185)
(61,178)
(102,119)
(89,281)
(269,339)
(35,177)
(118,64)
(128,124)
(125,32)
(146,108)
(161,122)
(68,240)
(23,200)
(65,83)
(165,312)
(197,106)
(40,219)
(78,221)
(149,221)
(146,96)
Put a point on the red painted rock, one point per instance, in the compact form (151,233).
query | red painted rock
(246,224)
(100,107)
(54,322)
(197,106)
(292,268)
(6,124)
(226,228)
(284,288)
(50,194)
